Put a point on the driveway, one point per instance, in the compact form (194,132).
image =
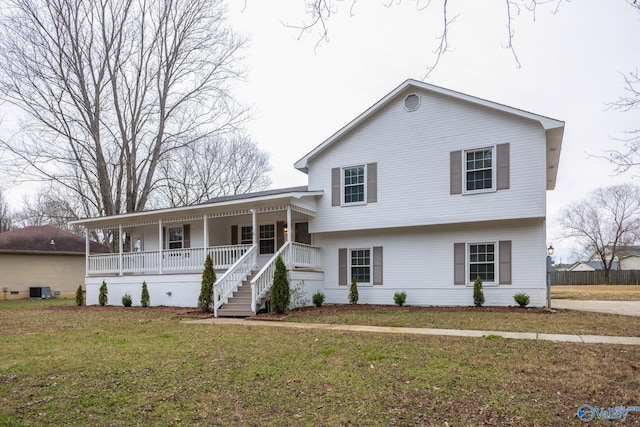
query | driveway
(627,308)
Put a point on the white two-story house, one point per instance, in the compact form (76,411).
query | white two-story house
(423,192)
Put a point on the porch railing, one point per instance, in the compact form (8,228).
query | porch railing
(173,260)
(294,255)
(233,277)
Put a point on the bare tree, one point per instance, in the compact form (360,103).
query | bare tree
(49,207)
(111,89)
(608,220)
(319,13)
(6,219)
(213,167)
(629,156)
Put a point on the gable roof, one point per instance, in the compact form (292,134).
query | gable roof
(46,238)
(554,128)
(595,264)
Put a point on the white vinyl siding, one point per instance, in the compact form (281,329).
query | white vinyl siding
(412,152)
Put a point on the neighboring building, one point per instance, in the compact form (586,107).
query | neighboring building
(591,266)
(42,261)
(423,192)
(630,262)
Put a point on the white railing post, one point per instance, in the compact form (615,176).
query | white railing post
(120,249)
(159,246)
(87,251)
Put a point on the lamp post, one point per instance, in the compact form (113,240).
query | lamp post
(549,253)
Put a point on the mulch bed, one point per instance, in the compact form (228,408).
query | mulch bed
(194,313)
(345,308)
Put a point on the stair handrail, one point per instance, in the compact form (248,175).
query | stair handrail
(233,277)
(261,283)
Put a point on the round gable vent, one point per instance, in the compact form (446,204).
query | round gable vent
(412,102)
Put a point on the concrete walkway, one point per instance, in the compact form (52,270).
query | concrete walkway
(627,308)
(591,339)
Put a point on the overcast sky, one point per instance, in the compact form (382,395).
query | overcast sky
(570,69)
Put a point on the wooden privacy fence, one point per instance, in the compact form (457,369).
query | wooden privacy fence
(616,277)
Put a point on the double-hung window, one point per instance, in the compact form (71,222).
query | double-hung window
(176,238)
(479,169)
(482,262)
(354,184)
(267,239)
(246,235)
(361,265)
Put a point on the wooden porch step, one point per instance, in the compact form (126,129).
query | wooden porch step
(239,303)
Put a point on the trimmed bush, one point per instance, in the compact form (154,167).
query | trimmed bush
(280,292)
(478,295)
(126,300)
(353,291)
(79,296)
(103,297)
(400,298)
(318,299)
(205,300)
(522,299)
(144,297)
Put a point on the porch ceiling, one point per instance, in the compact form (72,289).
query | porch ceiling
(303,202)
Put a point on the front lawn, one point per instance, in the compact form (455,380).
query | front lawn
(120,367)
(597,292)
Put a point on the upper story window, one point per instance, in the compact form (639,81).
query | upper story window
(176,238)
(479,169)
(354,188)
(354,185)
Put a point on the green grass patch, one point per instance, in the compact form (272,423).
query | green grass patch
(90,366)
(597,292)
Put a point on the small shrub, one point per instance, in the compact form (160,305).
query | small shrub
(79,296)
(103,297)
(280,291)
(353,291)
(478,295)
(144,297)
(400,298)
(126,300)
(205,299)
(318,299)
(522,299)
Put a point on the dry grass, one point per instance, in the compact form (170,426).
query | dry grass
(121,367)
(597,292)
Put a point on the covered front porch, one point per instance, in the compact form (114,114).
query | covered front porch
(243,235)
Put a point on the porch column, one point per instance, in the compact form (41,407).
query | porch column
(159,246)
(254,227)
(289,224)
(87,250)
(206,236)
(120,248)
